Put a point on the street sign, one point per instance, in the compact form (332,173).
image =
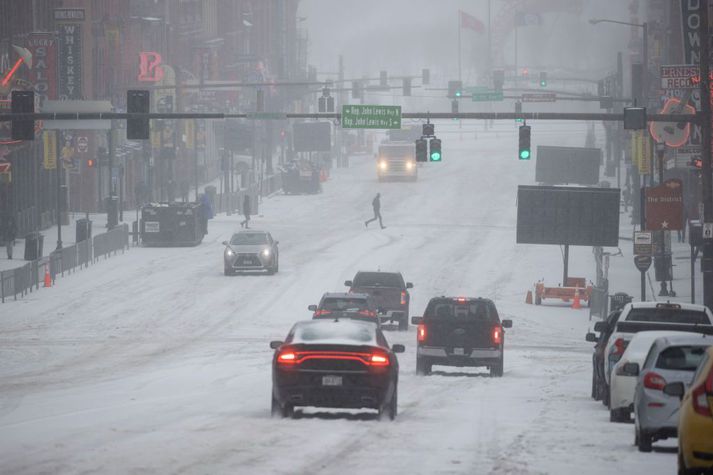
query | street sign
(77,106)
(664,206)
(678,76)
(371,117)
(487,96)
(539,97)
(642,262)
(707,230)
(643,243)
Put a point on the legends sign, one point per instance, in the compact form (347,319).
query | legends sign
(664,206)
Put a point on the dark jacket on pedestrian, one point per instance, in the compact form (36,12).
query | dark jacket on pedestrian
(10,228)
(376,203)
(246,205)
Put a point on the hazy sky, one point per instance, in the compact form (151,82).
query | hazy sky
(404,36)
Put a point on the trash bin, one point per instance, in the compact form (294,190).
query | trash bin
(34,243)
(112,210)
(83,230)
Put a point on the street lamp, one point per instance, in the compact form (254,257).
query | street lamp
(644,52)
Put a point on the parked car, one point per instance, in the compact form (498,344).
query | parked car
(251,251)
(600,388)
(670,359)
(643,316)
(346,305)
(335,363)
(460,331)
(695,422)
(624,378)
(388,290)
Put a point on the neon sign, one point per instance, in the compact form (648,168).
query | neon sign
(150,69)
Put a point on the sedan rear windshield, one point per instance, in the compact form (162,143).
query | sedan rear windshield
(475,311)
(344,304)
(343,331)
(378,279)
(681,358)
(249,238)
(668,315)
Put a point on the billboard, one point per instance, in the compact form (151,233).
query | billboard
(565,165)
(312,137)
(568,215)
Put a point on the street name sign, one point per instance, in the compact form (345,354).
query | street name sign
(643,243)
(488,96)
(371,117)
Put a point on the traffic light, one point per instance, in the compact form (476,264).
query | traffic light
(525,73)
(425,76)
(22,102)
(524,142)
(260,101)
(454,106)
(90,163)
(455,88)
(543,79)
(330,104)
(137,101)
(356,90)
(421,150)
(407,87)
(498,79)
(436,150)
(322,104)
(518,110)
(383,80)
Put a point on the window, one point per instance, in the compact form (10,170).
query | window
(378,279)
(668,315)
(344,304)
(249,239)
(477,311)
(681,358)
(313,332)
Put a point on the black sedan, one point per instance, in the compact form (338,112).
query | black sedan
(341,363)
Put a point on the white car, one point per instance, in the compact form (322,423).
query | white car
(623,384)
(650,316)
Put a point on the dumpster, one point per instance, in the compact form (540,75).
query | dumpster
(83,230)
(171,224)
(34,242)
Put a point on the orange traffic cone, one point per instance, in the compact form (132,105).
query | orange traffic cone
(528,299)
(576,303)
(48,278)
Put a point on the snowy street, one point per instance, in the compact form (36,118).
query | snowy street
(155,362)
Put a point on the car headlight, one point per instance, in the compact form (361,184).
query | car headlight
(409,165)
(266,252)
(229,252)
(383,165)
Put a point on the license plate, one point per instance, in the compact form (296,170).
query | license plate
(331,380)
(458,351)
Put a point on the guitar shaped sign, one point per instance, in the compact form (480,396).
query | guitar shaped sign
(671,133)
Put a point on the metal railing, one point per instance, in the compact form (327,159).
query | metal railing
(21,280)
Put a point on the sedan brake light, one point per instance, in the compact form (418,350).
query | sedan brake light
(654,381)
(379,360)
(287,357)
(421,333)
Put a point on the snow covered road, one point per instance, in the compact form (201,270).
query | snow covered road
(156,362)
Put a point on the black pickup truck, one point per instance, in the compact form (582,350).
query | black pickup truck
(460,331)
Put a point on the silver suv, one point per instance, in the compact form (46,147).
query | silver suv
(251,251)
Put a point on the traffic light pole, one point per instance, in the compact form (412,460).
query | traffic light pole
(707,192)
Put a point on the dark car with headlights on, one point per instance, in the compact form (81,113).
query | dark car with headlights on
(460,331)
(340,363)
(346,305)
(251,251)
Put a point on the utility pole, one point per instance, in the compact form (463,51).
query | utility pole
(705,122)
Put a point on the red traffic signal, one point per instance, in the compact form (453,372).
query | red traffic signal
(91,163)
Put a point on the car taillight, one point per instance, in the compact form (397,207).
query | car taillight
(421,333)
(367,313)
(617,349)
(379,360)
(287,357)
(654,381)
(320,313)
(699,399)
(497,335)
(403,297)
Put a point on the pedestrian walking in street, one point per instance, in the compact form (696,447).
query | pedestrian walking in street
(376,204)
(246,212)
(10,234)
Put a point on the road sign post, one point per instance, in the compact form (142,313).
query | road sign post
(371,117)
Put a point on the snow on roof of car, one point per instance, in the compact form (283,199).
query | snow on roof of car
(641,343)
(683,305)
(350,295)
(340,332)
(685,338)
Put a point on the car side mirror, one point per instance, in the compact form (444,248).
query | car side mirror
(312,308)
(397,348)
(416,320)
(275,344)
(409,285)
(600,326)
(630,369)
(507,323)
(674,389)
(348,283)
(224,243)
(591,337)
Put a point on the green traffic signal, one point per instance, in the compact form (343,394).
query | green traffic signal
(524,154)
(435,156)
(459,93)
(543,83)
(524,142)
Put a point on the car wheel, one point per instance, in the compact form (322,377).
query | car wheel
(422,367)
(403,324)
(227,271)
(643,440)
(605,394)
(392,408)
(496,370)
(595,390)
(682,470)
(275,409)
(619,415)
